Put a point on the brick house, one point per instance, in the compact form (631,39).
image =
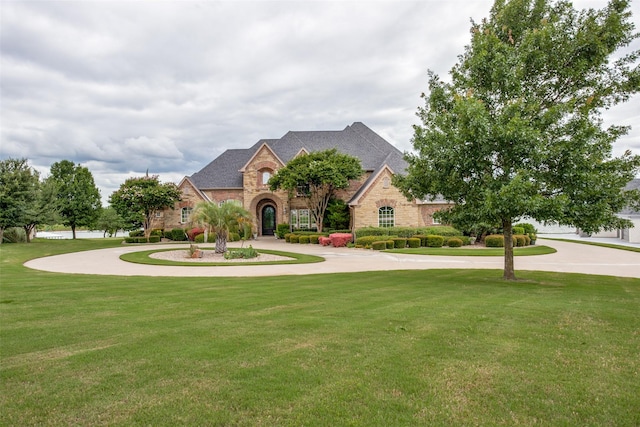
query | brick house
(241,176)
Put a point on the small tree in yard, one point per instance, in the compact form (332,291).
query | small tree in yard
(77,197)
(110,222)
(138,199)
(220,219)
(317,176)
(518,130)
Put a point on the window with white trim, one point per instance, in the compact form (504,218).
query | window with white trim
(266,175)
(185,213)
(386,216)
(300,218)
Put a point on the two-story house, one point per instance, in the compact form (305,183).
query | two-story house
(241,176)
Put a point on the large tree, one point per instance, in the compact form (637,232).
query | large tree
(316,177)
(19,185)
(220,219)
(518,129)
(139,198)
(78,198)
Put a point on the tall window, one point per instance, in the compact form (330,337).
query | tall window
(266,175)
(300,218)
(386,216)
(185,214)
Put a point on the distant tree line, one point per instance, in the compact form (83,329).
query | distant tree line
(69,196)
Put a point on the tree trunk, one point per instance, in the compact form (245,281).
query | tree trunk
(509,270)
(73,231)
(221,243)
(1,234)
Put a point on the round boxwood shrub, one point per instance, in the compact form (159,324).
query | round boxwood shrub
(294,238)
(177,235)
(399,243)
(154,239)
(520,240)
(304,239)
(434,241)
(379,245)
(390,244)
(234,237)
(413,242)
(314,239)
(454,242)
(494,241)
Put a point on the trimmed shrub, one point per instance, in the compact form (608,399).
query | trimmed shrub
(154,239)
(194,232)
(324,241)
(340,239)
(423,239)
(379,245)
(234,237)
(516,230)
(520,240)
(413,242)
(281,230)
(367,241)
(294,238)
(314,239)
(494,241)
(454,242)
(434,241)
(304,239)
(177,234)
(136,233)
(157,232)
(199,238)
(399,243)
(390,244)
(527,240)
(372,231)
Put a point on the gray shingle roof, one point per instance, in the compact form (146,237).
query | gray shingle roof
(356,140)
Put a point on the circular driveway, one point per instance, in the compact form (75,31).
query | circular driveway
(569,258)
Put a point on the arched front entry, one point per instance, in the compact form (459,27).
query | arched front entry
(268,220)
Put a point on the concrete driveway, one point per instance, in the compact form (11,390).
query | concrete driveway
(569,258)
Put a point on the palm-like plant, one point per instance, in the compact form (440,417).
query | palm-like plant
(219,219)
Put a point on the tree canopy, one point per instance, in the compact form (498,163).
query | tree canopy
(518,130)
(77,197)
(139,198)
(317,176)
(19,185)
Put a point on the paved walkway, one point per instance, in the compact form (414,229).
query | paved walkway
(570,258)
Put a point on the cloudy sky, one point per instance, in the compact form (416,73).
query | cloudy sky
(127,86)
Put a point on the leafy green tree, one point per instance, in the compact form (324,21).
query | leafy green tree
(42,209)
(78,198)
(337,215)
(220,219)
(518,130)
(317,176)
(138,199)
(19,185)
(110,222)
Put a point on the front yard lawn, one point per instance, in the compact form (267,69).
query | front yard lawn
(437,347)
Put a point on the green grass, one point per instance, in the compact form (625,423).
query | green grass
(437,347)
(142,257)
(444,251)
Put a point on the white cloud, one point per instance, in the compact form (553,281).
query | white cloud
(122,87)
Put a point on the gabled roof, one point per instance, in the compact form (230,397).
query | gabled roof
(356,140)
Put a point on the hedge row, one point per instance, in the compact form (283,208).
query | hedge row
(406,232)
(152,239)
(497,240)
